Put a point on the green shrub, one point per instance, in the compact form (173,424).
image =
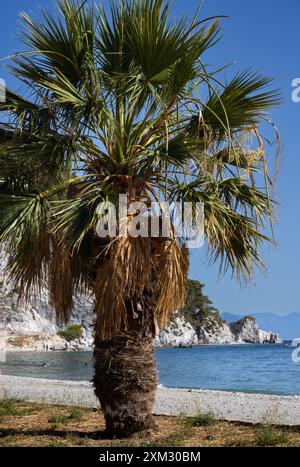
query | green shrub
(75,414)
(205,419)
(8,407)
(199,309)
(71,333)
(57,419)
(270,436)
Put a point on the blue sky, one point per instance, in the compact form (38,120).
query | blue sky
(265,35)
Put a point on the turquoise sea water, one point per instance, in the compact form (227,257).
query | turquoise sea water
(249,368)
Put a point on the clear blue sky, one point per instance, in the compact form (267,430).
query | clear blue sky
(264,34)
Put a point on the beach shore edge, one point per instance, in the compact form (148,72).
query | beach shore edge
(224,405)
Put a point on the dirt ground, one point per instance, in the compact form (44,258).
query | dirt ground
(26,424)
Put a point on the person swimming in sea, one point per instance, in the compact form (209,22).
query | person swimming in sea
(45,365)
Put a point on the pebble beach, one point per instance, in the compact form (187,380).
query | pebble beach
(231,406)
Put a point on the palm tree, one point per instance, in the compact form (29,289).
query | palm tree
(124,104)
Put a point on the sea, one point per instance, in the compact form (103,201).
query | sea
(269,369)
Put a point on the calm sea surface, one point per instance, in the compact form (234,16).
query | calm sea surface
(249,368)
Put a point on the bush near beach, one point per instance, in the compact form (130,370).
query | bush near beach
(71,333)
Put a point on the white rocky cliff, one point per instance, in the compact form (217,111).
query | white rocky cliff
(32,326)
(180,332)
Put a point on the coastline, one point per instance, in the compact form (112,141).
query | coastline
(224,405)
(11,349)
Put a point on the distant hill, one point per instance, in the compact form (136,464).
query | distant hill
(288,327)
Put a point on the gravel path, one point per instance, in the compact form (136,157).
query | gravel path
(284,410)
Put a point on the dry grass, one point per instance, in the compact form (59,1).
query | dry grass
(25,424)
(20,341)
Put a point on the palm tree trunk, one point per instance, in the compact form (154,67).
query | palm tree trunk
(126,378)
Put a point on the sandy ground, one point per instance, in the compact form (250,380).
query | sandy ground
(232,406)
(31,424)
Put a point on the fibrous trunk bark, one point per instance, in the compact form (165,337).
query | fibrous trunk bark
(126,378)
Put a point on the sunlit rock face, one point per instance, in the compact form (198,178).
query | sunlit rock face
(178,332)
(32,326)
(214,331)
(247,330)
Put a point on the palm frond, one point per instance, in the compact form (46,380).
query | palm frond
(171,267)
(125,273)
(23,230)
(241,103)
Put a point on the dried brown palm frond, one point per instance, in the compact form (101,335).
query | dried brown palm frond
(61,282)
(28,268)
(125,274)
(171,270)
(83,275)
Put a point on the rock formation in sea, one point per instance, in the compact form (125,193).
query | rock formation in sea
(32,326)
(181,332)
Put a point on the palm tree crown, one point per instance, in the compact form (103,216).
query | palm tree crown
(125,104)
